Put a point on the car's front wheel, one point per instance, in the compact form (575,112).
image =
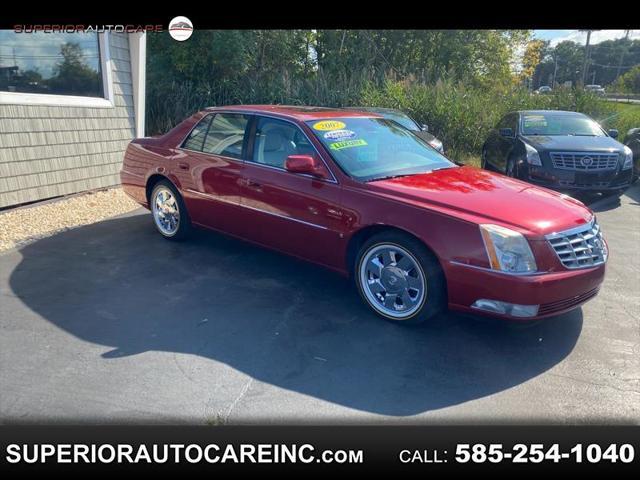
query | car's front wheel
(170,216)
(399,278)
(511,169)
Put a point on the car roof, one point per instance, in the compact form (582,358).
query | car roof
(303,113)
(376,109)
(543,112)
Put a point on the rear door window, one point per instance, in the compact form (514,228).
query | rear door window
(226,135)
(195,140)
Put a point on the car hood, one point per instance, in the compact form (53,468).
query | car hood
(481,196)
(569,143)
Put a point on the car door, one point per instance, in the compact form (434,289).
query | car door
(211,171)
(295,213)
(491,147)
(504,144)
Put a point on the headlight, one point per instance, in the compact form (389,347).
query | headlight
(628,158)
(533,157)
(508,251)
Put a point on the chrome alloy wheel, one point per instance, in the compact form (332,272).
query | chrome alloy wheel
(392,281)
(166,212)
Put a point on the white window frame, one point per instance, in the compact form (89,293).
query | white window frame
(19,98)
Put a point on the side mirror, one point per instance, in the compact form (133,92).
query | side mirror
(506,132)
(424,127)
(613,133)
(306,164)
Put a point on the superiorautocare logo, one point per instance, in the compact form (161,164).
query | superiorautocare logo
(180,28)
(71,28)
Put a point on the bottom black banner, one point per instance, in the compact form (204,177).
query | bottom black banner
(428,449)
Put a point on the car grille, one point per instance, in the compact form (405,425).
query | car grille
(564,183)
(580,247)
(559,306)
(584,161)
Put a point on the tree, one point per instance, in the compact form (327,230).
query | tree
(532,56)
(72,75)
(629,82)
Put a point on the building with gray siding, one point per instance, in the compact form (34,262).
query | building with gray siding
(68,109)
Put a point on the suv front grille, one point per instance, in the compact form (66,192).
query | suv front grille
(580,247)
(584,161)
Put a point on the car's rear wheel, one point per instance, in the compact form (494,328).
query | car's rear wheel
(399,278)
(170,216)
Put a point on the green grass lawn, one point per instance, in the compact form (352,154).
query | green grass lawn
(623,116)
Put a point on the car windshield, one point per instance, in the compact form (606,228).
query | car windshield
(554,124)
(375,148)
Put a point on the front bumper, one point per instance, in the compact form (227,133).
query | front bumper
(579,181)
(554,292)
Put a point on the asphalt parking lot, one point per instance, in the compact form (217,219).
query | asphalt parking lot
(110,323)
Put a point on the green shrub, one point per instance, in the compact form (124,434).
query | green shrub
(460,115)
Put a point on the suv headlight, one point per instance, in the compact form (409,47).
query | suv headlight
(628,158)
(508,250)
(533,157)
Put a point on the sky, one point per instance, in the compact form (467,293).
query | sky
(42,51)
(597,36)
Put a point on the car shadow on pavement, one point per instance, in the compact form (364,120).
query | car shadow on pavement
(279,320)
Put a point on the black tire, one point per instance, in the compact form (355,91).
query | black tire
(434,299)
(511,169)
(483,158)
(613,193)
(184,226)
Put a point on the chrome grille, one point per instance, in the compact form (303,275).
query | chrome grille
(584,161)
(580,247)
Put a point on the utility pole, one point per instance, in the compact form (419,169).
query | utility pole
(555,70)
(622,52)
(586,58)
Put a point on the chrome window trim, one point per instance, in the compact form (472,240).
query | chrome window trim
(273,117)
(332,180)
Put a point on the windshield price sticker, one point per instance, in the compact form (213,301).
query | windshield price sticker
(535,121)
(325,125)
(339,134)
(348,144)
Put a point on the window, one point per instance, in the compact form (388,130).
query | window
(195,140)
(276,140)
(226,135)
(51,63)
(560,124)
(509,121)
(374,148)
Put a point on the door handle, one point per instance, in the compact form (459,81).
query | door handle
(183,166)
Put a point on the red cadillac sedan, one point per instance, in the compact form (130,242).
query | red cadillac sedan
(361,195)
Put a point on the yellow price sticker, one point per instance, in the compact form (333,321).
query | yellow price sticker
(326,125)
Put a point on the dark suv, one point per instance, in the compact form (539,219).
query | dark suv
(560,150)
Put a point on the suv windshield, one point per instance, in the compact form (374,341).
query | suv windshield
(554,124)
(375,148)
